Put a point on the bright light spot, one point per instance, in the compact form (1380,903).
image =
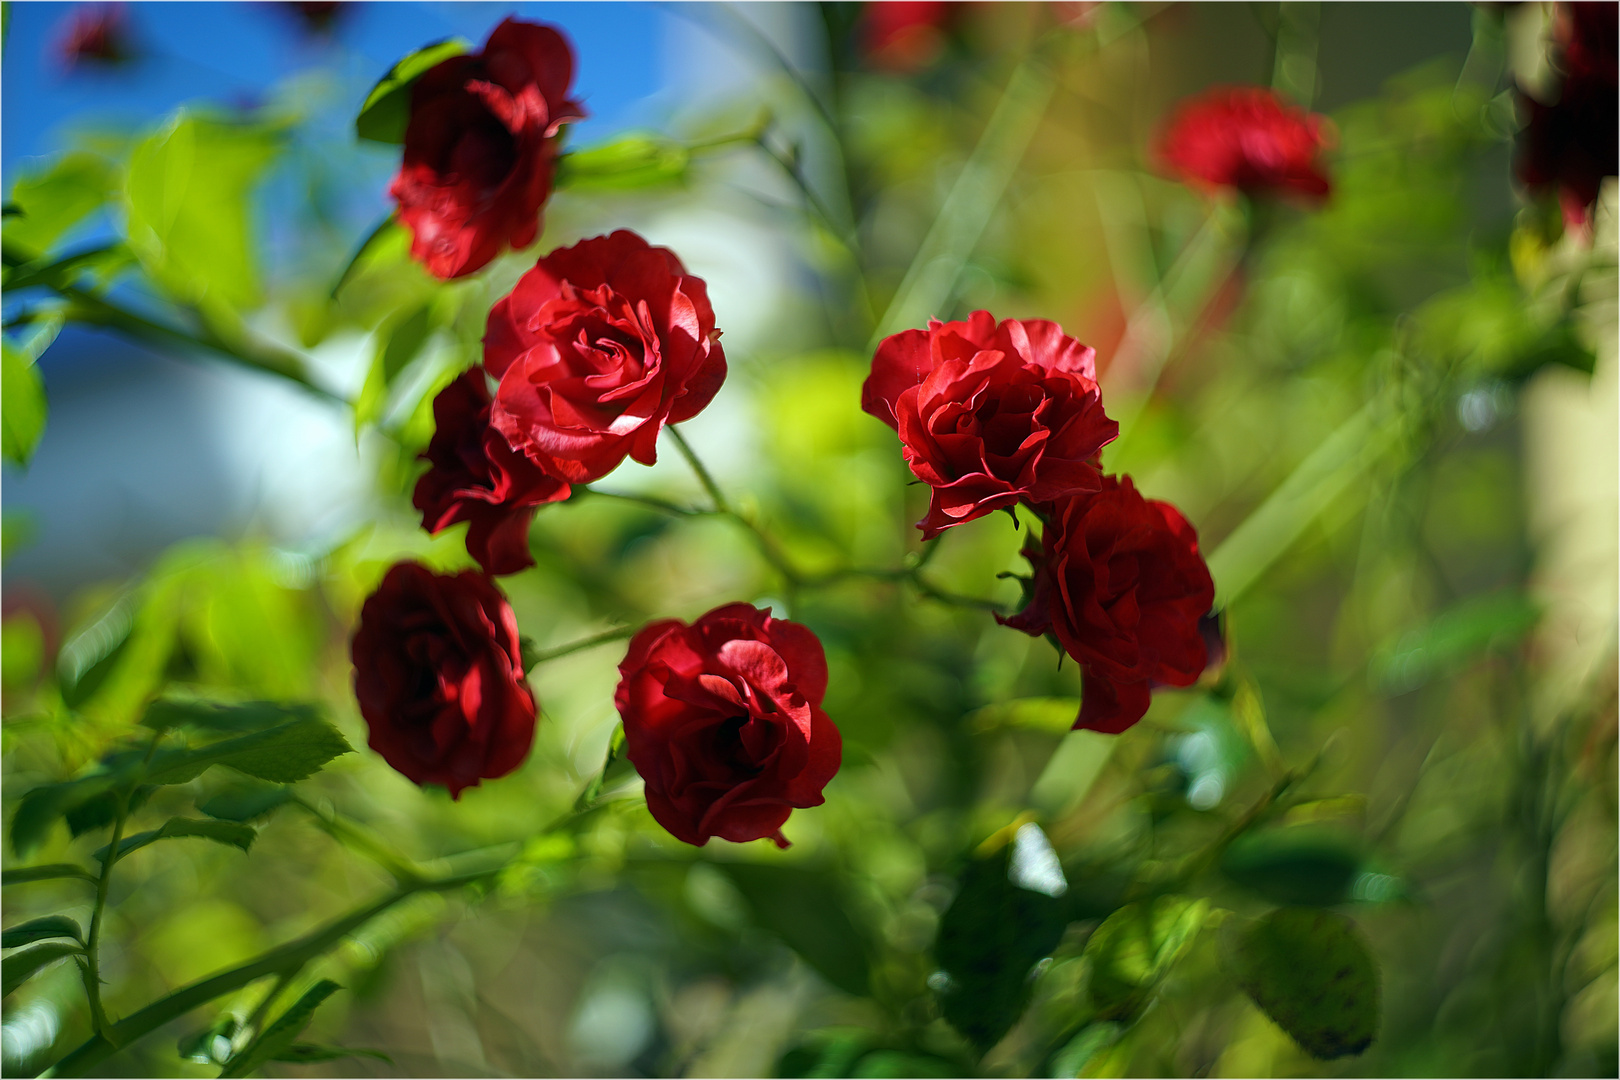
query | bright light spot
(29,1031)
(1205,792)
(1035,865)
(614,1023)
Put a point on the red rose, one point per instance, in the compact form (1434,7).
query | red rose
(1570,144)
(440,679)
(96,34)
(990,414)
(598,347)
(481,146)
(476,477)
(1245,137)
(723,721)
(1119,580)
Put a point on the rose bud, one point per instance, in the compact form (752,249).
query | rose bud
(1120,583)
(439,678)
(1247,138)
(723,721)
(476,477)
(1570,144)
(481,147)
(991,414)
(598,347)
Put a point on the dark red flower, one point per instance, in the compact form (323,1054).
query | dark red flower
(317,16)
(439,678)
(1247,138)
(903,36)
(991,414)
(598,347)
(1570,144)
(481,147)
(1119,581)
(723,721)
(476,477)
(96,34)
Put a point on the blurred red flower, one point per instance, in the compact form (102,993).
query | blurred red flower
(96,34)
(1119,581)
(478,478)
(439,678)
(1570,144)
(903,36)
(723,721)
(1247,138)
(991,414)
(598,347)
(481,147)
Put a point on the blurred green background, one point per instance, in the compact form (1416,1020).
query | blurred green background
(1391,419)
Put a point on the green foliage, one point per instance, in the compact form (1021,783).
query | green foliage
(1135,948)
(245,802)
(632,162)
(19,967)
(51,872)
(41,929)
(223,717)
(1300,865)
(51,201)
(282,754)
(398,342)
(229,833)
(996,929)
(807,910)
(277,1039)
(1311,972)
(387,109)
(22,404)
(186,195)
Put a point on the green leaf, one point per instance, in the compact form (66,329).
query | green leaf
(224,717)
(51,201)
(1477,625)
(309,1053)
(100,811)
(1298,865)
(245,802)
(387,109)
(995,931)
(807,911)
(630,162)
(282,754)
(1310,971)
(1136,947)
(40,808)
(186,194)
(825,1054)
(50,926)
(18,968)
(48,872)
(232,833)
(22,405)
(1053,715)
(397,343)
(85,662)
(204,1046)
(1083,1047)
(892,1063)
(277,1039)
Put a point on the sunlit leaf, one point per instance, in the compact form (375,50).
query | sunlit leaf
(1135,948)
(51,201)
(42,929)
(387,109)
(398,342)
(806,910)
(276,1039)
(22,404)
(282,754)
(186,194)
(630,162)
(1310,971)
(19,967)
(224,717)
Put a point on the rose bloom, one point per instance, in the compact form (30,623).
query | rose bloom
(1570,144)
(723,721)
(96,34)
(481,147)
(1246,137)
(598,347)
(903,36)
(991,414)
(439,678)
(1119,581)
(476,477)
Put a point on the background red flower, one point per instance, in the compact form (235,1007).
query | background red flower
(1247,138)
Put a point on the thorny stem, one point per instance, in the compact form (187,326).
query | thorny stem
(618,633)
(360,840)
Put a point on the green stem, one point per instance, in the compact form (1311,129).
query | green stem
(361,841)
(768,548)
(286,959)
(98,914)
(652,502)
(616,634)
